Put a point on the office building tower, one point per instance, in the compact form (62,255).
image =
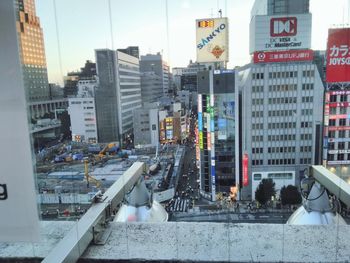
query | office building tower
(280,7)
(151,87)
(282,97)
(146,127)
(156,64)
(82,113)
(117,94)
(32,51)
(218,132)
(336,143)
(132,51)
(88,72)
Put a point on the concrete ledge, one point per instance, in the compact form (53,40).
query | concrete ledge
(196,242)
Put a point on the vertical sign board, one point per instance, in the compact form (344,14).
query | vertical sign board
(245,170)
(338,55)
(19,219)
(212,40)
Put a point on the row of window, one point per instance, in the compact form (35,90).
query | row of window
(257,126)
(342,98)
(283,74)
(333,111)
(342,122)
(307,86)
(257,101)
(289,149)
(307,99)
(281,113)
(257,89)
(258,76)
(257,162)
(282,125)
(306,112)
(341,145)
(281,137)
(304,149)
(258,150)
(308,73)
(340,157)
(305,160)
(280,161)
(283,88)
(257,114)
(283,100)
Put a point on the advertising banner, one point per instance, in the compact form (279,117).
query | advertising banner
(339,104)
(212,40)
(338,162)
(338,56)
(338,151)
(283,56)
(245,170)
(339,128)
(339,92)
(338,139)
(282,32)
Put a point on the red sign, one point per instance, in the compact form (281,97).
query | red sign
(338,55)
(339,116)
(338,104)
(283,26)
(339,128)
(245,170)
(283,56)
(340,92)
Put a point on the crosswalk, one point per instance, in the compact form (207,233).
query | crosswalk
(178,205)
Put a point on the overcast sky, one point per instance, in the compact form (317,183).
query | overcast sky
(84,25)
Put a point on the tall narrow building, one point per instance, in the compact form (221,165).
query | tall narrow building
(32,51)
(117,95)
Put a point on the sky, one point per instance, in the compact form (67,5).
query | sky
(85,25)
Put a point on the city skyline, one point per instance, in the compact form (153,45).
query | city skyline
(79,37)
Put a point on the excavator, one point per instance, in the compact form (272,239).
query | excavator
(88,177)
(112,146)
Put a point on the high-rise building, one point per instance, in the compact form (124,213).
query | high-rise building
(156,64)
(132,51)
(117,94)
(88,72)
(218,132)
(277,7)
(82,112)
(336,143)
(186,78)
(151,87)
(146,126)
(32,51)
(282,97)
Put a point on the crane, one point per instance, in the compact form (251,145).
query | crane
(88,177)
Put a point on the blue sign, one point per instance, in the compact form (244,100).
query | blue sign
(200,121)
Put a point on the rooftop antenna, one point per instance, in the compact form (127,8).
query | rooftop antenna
(220,13)
(211,14)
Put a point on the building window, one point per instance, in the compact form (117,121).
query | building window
(333,98)
(342,122)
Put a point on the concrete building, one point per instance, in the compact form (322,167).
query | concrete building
(132,51)
(218,132)
(117,95)
(277,7)
(146,127)
(151,87)
(32,50)
(82,112)
(156,64)
(185,78)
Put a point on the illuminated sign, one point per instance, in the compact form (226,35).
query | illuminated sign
(338,55)
(339,128)
(338,139)
(339,116)
(212,40)
(200,121)
(338,151)
(209,141)
(201,140)
(245,170)
(273,33)
(283,56)
(338,104)
(199,102)
(338,162)
(205,23)
(339,92)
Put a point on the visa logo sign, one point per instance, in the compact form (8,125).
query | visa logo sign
(283,26)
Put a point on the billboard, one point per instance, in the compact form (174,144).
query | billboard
(212,40)
(283,56)
(282,32)
(245,170)
(338,57)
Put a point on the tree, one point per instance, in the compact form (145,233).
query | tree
(265,191)
(290,195)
